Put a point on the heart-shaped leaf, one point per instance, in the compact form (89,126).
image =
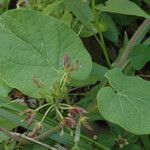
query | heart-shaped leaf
(126,102)
(33,46)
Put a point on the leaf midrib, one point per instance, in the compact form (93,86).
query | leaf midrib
(30,45)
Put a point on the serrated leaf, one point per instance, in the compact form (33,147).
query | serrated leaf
(123,7)
(35,47)
(140,56)
(126,102)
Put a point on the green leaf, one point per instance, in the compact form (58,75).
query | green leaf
(81,10)
(88,101)
(142,34)
(123,7)
(38,50)
(147,1)
(97,74)
(107,139)
(4,88)
(107,26)
(147,42)
(123,20)
(75,148)
(89,98)
(140,56)
(4,123)
(67,18)
(10,112)
(133,147)
(126,102)
(112,32)
(50,9)
(117,130)
(33,146)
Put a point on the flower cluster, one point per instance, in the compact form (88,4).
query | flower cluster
(71,120)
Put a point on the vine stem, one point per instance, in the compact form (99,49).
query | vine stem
(101,42)
(132,42)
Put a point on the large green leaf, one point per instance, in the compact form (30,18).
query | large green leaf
(34,45)
(126,102)
(140,56)
(123,7)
